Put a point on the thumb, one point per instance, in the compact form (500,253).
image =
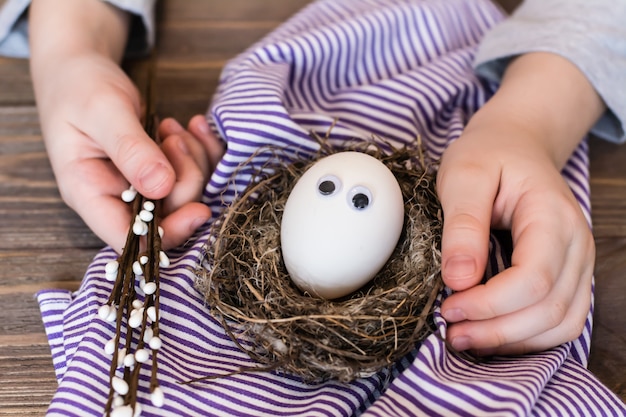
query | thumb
(139,159)
(467,196)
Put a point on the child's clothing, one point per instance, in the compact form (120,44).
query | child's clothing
(591,34)
(390,69)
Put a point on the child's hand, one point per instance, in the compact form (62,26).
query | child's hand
(89,112)
(504,173)
(97,146)
(543,299)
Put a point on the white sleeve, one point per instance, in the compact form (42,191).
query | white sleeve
(590,34)
(14,26)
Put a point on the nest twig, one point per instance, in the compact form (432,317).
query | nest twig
(247,285)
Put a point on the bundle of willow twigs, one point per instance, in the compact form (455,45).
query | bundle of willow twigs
(133,307)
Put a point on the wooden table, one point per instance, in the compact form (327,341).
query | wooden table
(43,244)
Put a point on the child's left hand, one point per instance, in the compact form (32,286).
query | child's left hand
(504,172)
(542,300)
(194,154)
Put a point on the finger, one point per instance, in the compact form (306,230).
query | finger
(550,236)
(169,126)
(536,267)
(570,329)
(114,230)
(92,188)
(467,193)
(124,140)
(554,317)
(195,148)
(181,224)
(190,179)
(214,147)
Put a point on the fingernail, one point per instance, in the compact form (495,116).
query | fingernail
(183,146)
(460,267)
(174,125)
(461,343)
(154,177)
(198,222)
(204,127)
(454,315)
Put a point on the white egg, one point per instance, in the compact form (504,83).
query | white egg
(341,224)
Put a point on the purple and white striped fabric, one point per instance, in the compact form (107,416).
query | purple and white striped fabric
(394,69)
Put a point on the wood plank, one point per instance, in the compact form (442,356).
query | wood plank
(27,380)
(15,83)
(232,10)
(217,31)
(608,188)
(185,93)
(205,41)
(18,317)
(18,120)
(29,271)
(22,276)
(32,211)
(608,347)
(41,224)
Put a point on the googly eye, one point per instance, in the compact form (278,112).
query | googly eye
(359,198)
(328,185)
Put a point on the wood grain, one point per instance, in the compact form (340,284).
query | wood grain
(15,83)
(43,244)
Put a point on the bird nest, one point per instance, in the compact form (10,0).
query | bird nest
(248,288)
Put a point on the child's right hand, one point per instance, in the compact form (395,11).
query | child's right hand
(97,147)
(90,117)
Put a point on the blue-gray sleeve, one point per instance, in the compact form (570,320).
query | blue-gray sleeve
(590,34)
(14,26)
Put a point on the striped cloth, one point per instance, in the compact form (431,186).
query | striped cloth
(394,69)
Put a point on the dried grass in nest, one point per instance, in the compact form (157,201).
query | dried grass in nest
(247,285)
